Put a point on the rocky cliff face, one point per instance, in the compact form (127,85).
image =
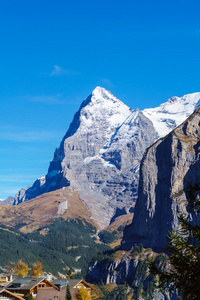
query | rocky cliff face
(99,155)
(101,152)
(166,169)
(134,271)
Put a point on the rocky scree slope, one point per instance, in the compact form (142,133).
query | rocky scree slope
(166,170)
(101,152)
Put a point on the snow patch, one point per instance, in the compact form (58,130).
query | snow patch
(172,113)
(87,160)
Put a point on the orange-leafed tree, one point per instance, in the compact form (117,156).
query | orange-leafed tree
(37,269)
(21,268)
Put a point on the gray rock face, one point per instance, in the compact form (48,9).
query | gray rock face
(101,152)
(99,155)
(125,270)
(42,185)
(10,200)
(166,169)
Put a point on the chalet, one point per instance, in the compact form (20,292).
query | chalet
(7,295)
(27,286)
(74,285)
(5,279)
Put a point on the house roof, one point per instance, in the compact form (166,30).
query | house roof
(44,294)
(11,294)
(71,282)
(27,283)
(52,294)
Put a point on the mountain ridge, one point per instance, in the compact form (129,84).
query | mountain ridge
(105,134)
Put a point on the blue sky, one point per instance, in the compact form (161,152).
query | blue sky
(54,53)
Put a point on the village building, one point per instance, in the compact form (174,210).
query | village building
(5,279)
(7,295)
(42,289)
(74,285)
(27,286)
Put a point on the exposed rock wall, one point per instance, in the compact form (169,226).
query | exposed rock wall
(166,169)
(126,270)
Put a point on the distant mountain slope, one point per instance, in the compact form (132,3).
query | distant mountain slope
(42,210)
(10,200)
(102,149)
(166,170)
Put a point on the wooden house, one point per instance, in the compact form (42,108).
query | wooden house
(5,279)
(27,286)
(74,285)
(7,295)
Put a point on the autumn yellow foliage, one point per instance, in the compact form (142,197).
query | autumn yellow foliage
(83,294)
(37,269)
(21,268)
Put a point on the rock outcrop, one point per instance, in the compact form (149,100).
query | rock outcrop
(134,271)
(166,170)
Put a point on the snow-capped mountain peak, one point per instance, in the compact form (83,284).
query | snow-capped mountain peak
(100,92)
(173,112)
(106,134)
(103,106)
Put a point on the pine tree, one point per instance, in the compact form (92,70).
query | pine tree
(70,274)
(68,294)
(183,265)
(30,297)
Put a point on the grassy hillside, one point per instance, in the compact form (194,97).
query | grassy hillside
(61,244)
(56,228)
(42,210)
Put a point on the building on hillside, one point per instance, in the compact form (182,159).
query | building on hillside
(27,286)
(7,295)
(5,279)
(49,276)
(74,285)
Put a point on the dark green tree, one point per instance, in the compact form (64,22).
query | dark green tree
(30,297)
(182,268)
(70,274)
(138,292)
(68,294)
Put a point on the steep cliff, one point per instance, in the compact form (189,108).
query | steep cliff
(166,170)
(130,268)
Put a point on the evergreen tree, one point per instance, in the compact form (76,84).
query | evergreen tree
(68,294)
(70,274)
(182,269)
